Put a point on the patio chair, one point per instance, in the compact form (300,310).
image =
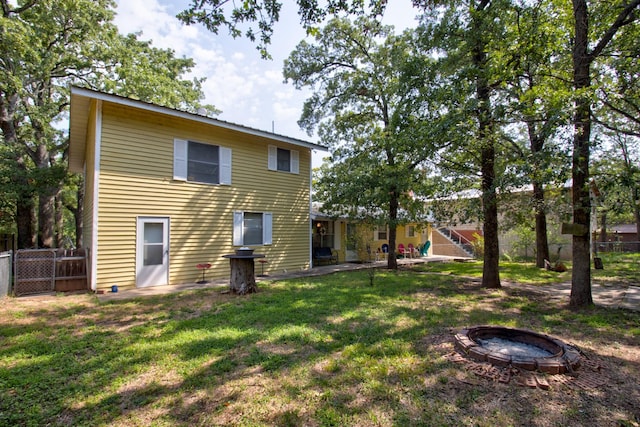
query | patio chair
(402,250)
(325,254)
(412,250)
(424,250)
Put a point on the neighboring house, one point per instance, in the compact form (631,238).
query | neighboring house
(456,236)
(456,241)
(350,239)
(618,238)
(166,190)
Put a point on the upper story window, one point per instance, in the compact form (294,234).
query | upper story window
(283,160)
(198,162)
(380,233)
(410,230)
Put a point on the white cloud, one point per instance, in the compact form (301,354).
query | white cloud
(249,90)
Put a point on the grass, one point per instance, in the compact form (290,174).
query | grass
(321,351)
(619,269)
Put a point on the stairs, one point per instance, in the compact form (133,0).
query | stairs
(458,240)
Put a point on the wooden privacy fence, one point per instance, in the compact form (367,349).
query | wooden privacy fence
(50,270)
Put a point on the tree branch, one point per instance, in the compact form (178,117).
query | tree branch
(625,17)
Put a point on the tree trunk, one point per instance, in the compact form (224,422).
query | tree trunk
(46,219)
(490,270)
(542,243)
(536,143)
(243,278)
(392,261)
(25,214)
(59,223)
(581,271)
(25,209)
(603,227)
(636,212)
(46,197)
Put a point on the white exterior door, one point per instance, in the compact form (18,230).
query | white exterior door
(152,252)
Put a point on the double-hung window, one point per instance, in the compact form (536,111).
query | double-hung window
(252,228)
(380,233)
(198,162)
(410,230)
(283,160)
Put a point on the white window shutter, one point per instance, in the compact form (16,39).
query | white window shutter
(295,161)
(273,158)
(337,239)
(225,165)
(238,222)
(180,154)
(376,234)
(267,228)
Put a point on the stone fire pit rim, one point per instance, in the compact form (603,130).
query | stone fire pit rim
(563,356)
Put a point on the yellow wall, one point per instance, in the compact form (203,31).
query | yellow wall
(136,179)
(366,236)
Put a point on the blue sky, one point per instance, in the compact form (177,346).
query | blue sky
(249,90)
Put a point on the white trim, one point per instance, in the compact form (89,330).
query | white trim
(224,165)
(294,167)
(267,228)
(272,158)
(238,224)
(96,199)
(180,159)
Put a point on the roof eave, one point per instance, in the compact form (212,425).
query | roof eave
(78,92)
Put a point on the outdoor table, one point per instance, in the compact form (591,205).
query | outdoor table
(243,278)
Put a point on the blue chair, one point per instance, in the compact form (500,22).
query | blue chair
(425,248)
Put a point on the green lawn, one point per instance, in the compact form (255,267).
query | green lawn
(322,351)
(619,268)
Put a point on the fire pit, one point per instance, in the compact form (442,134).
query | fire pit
(520,348)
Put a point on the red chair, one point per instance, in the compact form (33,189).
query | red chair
(411,249)
(402,250)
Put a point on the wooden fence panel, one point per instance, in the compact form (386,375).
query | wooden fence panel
(71,270)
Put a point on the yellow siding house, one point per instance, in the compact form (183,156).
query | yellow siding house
(166,190)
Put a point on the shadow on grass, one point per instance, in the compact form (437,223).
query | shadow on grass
(295,353)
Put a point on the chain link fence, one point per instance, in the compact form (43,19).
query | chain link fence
(48,270)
